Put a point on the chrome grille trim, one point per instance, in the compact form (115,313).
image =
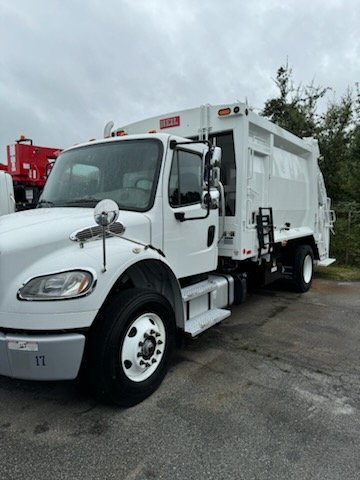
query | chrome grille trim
(95,232)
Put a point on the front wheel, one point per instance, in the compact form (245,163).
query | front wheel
(303,268)
(130,347)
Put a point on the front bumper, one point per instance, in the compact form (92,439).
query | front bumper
(41,357)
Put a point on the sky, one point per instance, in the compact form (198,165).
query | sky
(67,67)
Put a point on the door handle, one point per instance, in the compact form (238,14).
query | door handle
(211,235)
(180,216)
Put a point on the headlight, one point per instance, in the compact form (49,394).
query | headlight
(58,286)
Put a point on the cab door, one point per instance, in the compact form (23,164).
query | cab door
(190,230)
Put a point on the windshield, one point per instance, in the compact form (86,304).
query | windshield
(125,171)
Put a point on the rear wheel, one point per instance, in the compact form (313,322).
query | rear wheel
(130,347)
(303,268)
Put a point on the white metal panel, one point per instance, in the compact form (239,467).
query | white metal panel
(7,199)
(289,189)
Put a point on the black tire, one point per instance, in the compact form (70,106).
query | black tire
(114,354)
(303,268)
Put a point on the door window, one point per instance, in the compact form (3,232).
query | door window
(185,185)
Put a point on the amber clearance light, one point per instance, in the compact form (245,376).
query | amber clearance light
(224,111)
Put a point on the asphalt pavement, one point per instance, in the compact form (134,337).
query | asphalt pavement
(273,392)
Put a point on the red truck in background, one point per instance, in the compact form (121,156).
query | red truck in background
(29,166)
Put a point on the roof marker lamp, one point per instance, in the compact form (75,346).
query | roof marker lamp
(224,111)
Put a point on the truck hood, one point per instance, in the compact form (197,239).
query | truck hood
(28,235)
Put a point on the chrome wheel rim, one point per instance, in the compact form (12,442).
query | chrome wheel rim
(143,347)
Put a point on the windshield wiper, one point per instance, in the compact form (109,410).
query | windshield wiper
(77,202)
(45,203)
(87,202)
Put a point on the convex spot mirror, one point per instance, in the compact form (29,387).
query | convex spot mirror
(106,213)
(210,200)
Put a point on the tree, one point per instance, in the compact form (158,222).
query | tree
(296,108)
(354,152)
(337,130)
(334,139)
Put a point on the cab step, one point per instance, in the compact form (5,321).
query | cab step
(204,303)
(198,290)
(205,320)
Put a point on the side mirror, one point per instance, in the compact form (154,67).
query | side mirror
(216,156)
(215,165)
(106,213)
(212,162)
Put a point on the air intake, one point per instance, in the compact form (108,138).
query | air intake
(95,232)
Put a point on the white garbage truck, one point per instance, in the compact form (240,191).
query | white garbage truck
(153,232)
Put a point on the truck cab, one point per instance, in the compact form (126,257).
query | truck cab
(57,287)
